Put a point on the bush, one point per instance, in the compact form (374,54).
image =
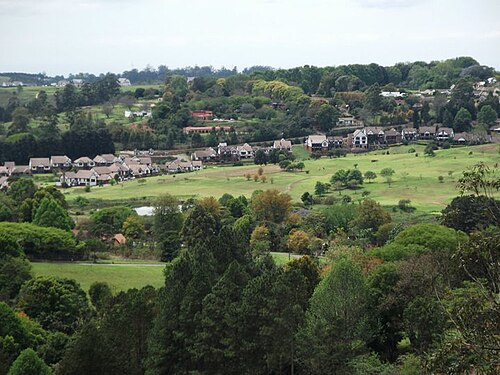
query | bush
(42,242)
(411,150)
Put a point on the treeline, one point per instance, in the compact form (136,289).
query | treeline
(85,137)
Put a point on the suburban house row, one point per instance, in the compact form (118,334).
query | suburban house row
(230,153)
(373,137)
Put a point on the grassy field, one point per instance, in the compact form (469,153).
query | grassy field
(416,178)
(119,276)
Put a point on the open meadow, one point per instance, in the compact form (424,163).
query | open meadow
(120,277)
(416,177)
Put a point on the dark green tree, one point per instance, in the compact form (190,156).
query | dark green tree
(28,363)
(57,304)
(51,214)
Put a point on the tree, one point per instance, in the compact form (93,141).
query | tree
(469,213)
(14,272)
(260,242)
(51,214)
(167,226)
(298,242)
(371,215)
(320,188)
(387,173)
(260,157)
(28,363)
(487,115)
(109,221)
(369,175)
(100,295)
(271,205)
(20,120)
(307,199)
(337,325)
(462,121)
(57,304)
(326,117)
(373,100)
(133,227)
(21,189)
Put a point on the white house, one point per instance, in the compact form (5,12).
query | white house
(282,144)
(123,81)
(360,139)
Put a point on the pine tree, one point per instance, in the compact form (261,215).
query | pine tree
(51,214)
(28,363)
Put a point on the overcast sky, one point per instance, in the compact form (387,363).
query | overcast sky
(72,36)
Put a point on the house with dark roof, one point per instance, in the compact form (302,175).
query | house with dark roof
(409,134)
(206,155)
(427,132)
(392,136)
(444,134)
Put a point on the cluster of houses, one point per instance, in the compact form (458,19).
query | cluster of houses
(232,153)
(373,137)
(85,171)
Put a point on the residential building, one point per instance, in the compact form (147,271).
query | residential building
(207,155)
(409,134)
(444,134)
(84,162)
(60,162)
(282,145)
(317,143)
(205,129)
(427,132)
(392,137)
(360,139)
(375,135)
(202,115)
(39,165)
(245,151)
(124,82)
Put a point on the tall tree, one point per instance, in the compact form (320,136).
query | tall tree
(337,323)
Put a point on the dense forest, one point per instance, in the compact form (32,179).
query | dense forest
(370,295)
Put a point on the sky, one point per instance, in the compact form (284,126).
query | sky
(99,36)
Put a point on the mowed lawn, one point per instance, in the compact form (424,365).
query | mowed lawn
(120,277)
(416,178)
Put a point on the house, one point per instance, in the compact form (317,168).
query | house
(205,129)
(4,182)
(122,170)
(375,135)
(282,145)
(20,170)
(202,115)
(179,165)
(105,159)
(463,138)
(206,155)
(444,134)
(119,239)
(131,114)
(245,151)
(227,153)
(359,139)
(124,82)
(84,162)
(427,132)
(336,142)
(393,136)
(409,134)
(4,171)
(80,178)
(317,143)
(60,162)
(392,94)
(77,82)
(39,165)
(348,121)
(139,170)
